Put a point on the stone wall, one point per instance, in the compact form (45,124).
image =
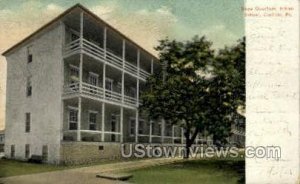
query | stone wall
(88,152)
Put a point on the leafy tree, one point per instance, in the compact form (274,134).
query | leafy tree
(195,89)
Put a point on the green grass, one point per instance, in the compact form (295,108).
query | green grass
(215,171)
(13,168)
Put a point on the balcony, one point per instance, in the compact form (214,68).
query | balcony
(98,93)
(104,56)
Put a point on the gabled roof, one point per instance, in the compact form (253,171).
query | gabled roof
(85,10)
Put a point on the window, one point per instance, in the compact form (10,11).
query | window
(108,87)
(74,71)
(119,87)
(132,126)
(45,153)
(74,77)
(73,118)
(27,150)
(113,127)
(141,126)
(29,54)
(93,80)
(28,87)
(92,120)
(12,151)
(27,122)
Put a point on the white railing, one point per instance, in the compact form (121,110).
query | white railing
(99,53)
(130,67)
(92,49)
(72,47)
(92,90)
(98,92)
(71,88)
(144,74)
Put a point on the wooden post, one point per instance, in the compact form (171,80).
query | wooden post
(162,130)
(150,132)
(137,126)
(123,68)
(79,120)
(103,122)
(173,134)
(104,64)
(121,124)
(182,136)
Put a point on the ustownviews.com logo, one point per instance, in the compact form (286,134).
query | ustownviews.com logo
(198,151)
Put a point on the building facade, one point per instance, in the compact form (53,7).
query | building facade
(73,92)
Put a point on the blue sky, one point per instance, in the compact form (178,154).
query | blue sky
(222,20)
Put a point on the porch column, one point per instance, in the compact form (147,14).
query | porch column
(81,30)
(123,68)
(138,79)
(79,120)
(182,136)
(104,64)
(103,85)
(173,134)
(103,121)
(137,97)
(162,130)
(150,132)
(152,69)
(121,123)
(136,126)
(81,56)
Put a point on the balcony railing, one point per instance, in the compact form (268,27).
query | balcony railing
(105,56)
(98,92)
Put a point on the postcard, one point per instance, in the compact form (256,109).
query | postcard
(149,92)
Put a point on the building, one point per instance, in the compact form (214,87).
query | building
(237,137)
(73,90)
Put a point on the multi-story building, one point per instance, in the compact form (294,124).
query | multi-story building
(73,90)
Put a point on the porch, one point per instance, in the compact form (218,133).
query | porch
(87,120)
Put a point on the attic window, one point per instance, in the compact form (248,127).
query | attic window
(29,54)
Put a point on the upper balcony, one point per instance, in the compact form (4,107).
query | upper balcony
(105,56)
(90,36)
(99,93)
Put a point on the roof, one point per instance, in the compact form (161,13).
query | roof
(84,9)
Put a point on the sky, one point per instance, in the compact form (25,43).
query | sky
(144,21)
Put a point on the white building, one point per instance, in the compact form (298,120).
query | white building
(73,90)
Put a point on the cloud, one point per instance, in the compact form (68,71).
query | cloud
(220,35)
(103,11)
(143,26)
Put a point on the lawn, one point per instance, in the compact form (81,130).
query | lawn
(216,171)
(12,168)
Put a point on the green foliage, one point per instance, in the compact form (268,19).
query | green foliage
(197,87)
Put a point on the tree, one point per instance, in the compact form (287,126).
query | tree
(193,89)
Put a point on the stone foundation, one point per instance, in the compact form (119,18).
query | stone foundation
(88,152)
